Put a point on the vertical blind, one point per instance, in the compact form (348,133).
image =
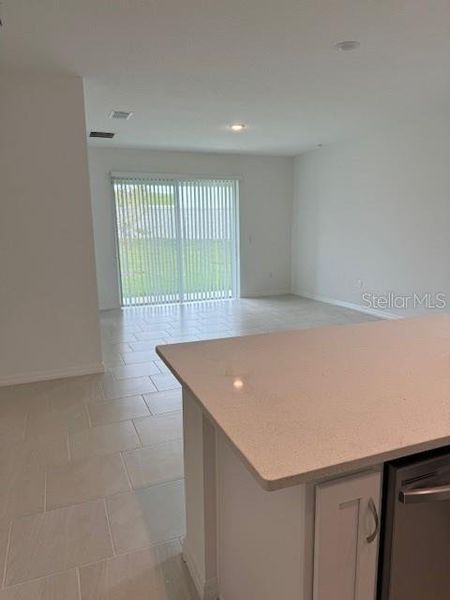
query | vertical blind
(176,239)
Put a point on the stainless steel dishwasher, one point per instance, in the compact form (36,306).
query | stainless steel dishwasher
(415,549)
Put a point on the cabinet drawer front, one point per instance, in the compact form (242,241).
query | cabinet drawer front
(346,538)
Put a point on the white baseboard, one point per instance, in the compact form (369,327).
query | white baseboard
(265,293)
(56,374)
(381,314)
(206,589)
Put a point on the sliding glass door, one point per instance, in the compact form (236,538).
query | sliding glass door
(177,239)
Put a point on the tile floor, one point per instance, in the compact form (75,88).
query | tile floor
(91,468)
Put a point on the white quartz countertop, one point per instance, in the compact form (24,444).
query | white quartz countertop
(307,404)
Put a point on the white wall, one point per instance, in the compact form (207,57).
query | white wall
(377,210)
(265,211)
(48,301)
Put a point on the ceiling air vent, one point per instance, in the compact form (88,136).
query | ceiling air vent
(102,134)
(120,114)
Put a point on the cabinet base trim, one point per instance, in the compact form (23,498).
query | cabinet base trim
(206,589)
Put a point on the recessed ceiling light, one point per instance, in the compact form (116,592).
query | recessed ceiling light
(238,126)
(347,45)
(120,114)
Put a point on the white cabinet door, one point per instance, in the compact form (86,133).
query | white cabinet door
(345,545)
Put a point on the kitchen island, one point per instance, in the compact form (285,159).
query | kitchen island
(285,438)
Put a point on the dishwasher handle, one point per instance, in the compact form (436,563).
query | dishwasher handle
(421,495)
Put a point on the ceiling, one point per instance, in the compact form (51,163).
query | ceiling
(189,68)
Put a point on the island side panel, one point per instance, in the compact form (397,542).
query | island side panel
(265,539)
(200,543)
